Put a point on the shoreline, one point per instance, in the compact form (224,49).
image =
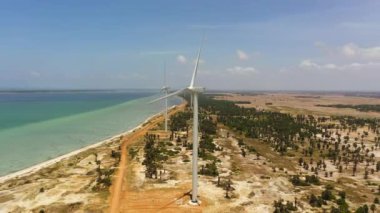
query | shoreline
(37,167)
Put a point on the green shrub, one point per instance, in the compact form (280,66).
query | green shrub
(210,169)
(327,195)
(133,152)
(315,201)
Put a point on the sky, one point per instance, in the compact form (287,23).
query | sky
(249,45)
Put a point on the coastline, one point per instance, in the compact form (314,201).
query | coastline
(35,168)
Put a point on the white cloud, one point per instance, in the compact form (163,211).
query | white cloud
(181,59)
(242,55)
(237,70)
(350,51)
(371,53)
(330,66)
(364,66)
(348,57)
(35,74)
(310,65)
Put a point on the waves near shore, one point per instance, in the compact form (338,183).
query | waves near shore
(33,143)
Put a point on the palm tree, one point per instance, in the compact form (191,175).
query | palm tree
(354,168)
(228,188)
(373,208)
(366,174)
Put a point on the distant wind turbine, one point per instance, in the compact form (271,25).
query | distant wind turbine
(165,90)
(194,91)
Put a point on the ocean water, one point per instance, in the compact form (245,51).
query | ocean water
(38,126)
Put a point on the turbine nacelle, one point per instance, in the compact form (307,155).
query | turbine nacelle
(196,89)
(165,89)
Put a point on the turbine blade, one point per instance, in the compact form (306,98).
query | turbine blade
(196,65)
(168,96)
(165,74)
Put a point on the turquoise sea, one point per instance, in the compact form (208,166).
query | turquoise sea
(36,126)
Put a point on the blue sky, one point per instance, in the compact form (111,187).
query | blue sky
(258,45)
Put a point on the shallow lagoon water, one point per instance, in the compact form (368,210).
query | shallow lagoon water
(38,127)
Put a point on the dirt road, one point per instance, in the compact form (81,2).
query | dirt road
(119,178)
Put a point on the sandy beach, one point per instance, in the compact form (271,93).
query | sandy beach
(37,167)
(17,196)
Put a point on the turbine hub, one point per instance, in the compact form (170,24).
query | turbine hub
(196,89)
(165,88)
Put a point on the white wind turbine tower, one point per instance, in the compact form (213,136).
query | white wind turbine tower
(194,91)
(165,90)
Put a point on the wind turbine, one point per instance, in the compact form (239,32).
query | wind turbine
(165,90)
(194,91)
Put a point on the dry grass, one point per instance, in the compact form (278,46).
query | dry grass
(304,103)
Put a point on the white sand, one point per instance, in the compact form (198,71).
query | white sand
(45,164)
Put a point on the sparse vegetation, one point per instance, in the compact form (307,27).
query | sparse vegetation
(284,207)
(306,181)
(265,152)
(209,169)
(132,152)
(361,107)
(152,156)
(322,143)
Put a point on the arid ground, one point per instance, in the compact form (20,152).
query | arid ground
(303,103)
(257,179)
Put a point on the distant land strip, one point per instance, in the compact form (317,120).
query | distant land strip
(360,107)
